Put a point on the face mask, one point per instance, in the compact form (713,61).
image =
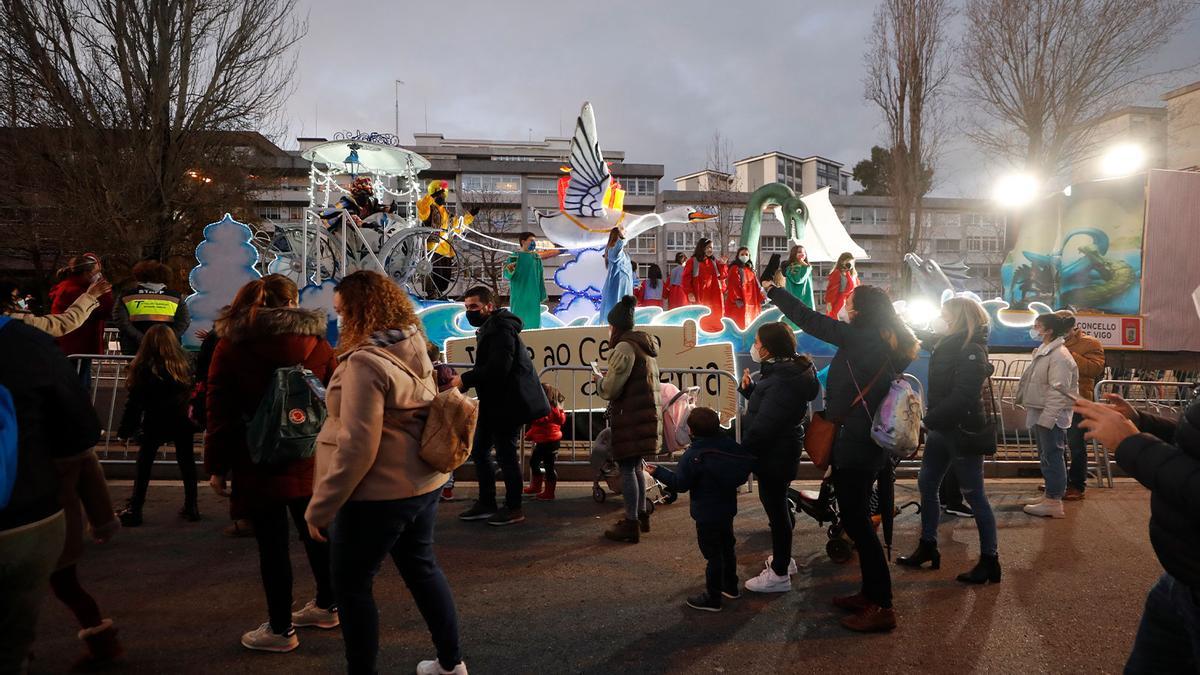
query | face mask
(940,326)
(755,355)
(1196,300)
(475,317)
(22,305)
(1033,333)
(339,323)
(532,245)
(440,201)
(744,258)
(843,315)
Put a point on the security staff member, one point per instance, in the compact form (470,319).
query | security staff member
(149,304)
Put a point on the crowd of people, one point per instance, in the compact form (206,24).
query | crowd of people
(357,487)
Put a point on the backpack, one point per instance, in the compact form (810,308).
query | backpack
(450,426)
(896,426)
(8,439)
(285,426)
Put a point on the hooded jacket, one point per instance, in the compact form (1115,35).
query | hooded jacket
(368,448)
(89,337)
(246,358)
(1048,383)
(712,469)
(1166,459)
(773,424)
(1088,353)
(148,305)
(957,370)
(634,400)
(503,377)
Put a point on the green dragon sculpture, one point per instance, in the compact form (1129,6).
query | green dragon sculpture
(794,212)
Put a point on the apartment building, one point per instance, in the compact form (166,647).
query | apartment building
(801,174)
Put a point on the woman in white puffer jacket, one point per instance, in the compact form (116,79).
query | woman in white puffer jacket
(1047,391)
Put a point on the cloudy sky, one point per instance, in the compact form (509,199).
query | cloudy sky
(663,76)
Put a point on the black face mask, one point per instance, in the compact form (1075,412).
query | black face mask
(476,317)
(440,200)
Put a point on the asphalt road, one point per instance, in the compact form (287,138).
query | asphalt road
(551,596)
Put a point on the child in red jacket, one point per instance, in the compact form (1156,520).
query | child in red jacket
(546,433)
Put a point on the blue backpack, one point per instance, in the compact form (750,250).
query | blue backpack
(8,439)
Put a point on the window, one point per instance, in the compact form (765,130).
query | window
(647,242)
(542,186)
(845,185)
(883,216)
(491,183)
(639,187)
(855,215)
(772,244)
(684,240)
(271,213)
(983,244)
(947,245)
(979,219)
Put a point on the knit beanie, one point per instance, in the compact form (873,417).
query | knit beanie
(621,315)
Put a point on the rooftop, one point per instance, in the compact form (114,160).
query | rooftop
(1180,91)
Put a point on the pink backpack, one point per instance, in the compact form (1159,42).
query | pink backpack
(677,405)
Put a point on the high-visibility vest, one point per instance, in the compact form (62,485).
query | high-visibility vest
(147,307)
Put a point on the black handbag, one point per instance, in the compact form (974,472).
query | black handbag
(982,441)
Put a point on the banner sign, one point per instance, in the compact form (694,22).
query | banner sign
(582,345)
(1114,332)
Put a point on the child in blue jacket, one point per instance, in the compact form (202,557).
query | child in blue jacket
(712,469)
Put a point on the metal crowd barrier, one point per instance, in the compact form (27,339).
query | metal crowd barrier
(1165,398)
(106,374)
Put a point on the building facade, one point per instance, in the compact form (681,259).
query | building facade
(802,174)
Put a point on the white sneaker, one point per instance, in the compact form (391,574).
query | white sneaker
(792,567)
(769,582)
(264,639)
(314,616)
(1048,508)
(435,668)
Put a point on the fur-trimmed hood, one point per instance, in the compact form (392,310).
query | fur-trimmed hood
(272,321)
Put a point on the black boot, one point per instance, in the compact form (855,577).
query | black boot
(190,513)
(131,515)
(926,552)
(987,570)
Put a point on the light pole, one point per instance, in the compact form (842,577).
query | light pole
(398,83)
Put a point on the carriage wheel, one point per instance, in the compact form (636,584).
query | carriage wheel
(287,249)
(419,270)
(649,507)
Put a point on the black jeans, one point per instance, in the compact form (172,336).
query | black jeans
(271,533)
(362,535)
(853,490)
(543,457)
(504,437)
(772,493)
(185,457)
(716,545)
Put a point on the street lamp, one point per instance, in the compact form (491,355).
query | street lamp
(1122,160)
(352,163)
(1015,190)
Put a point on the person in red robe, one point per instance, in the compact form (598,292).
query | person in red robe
(652,291)
(842,282)
(704,283)
(676,296)
(743,295)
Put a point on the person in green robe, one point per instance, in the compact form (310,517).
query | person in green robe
(798,273)
(527,287)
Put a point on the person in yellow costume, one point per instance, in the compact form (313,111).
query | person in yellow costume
(431,211)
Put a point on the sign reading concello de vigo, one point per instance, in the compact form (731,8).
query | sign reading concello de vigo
(1114,332)
(580,346)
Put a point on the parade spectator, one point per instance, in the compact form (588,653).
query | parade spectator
(1165,458)
(54,325)
(527,281)
(873,348)
(618,278)
(843,279)
(958,370)
(773,432)
(510,395)
(704,282)
(798,273)
(158,383)
(443,374)
(150,303)
(652,291)
(743,295)
(373,492)
(56,421)
(634,412)
(712,468)
(1089,358)
(546,435)
(263,330)
(676,295)
(1046,391)
(80,274)
(198,414)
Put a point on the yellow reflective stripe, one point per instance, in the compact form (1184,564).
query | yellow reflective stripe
(147,307)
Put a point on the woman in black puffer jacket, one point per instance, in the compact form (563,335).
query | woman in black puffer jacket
(873,348)
(958,368)
(773,431)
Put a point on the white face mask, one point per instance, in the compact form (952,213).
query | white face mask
(22,305)
(744,258)
(755,355)
(339,323)
(1033,333)
(940,326)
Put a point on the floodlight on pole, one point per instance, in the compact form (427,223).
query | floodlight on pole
(1122,160)
(1015,190)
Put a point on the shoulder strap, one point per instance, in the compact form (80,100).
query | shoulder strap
(863,392)
(405,367)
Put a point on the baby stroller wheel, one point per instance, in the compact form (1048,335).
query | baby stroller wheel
(598,494)
(669,496)
(839,550)
(649,507)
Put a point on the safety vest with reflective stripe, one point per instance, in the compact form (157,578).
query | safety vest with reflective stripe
(151,307)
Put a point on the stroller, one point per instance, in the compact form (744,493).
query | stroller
(607,472)
(821,506)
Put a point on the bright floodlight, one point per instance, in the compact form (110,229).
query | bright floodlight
(1017,189)
(920,313)
(1122,160)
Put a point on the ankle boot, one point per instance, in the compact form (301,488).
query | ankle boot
(987,570)
(103,649)
(927,551)
(131,515)
(547,493)
(535,485)
(644,521)
(624,530)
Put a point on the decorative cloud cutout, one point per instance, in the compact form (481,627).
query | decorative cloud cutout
(583,274)
(227,262)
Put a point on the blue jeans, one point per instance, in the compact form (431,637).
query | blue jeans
(1052,449)
(503,437)
(362,535)
(633,487)
(939,457)
(1168,639)
(1077,475)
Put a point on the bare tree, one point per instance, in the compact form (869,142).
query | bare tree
(496,218)
(1041,72)
(907,70)
(722,184)
(141,93)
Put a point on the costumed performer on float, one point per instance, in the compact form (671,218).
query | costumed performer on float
(431,211)
(843,279)
(797,272)
(618,279)
(652,290)
(676,296)
(527,285)
(704,283)
(743,295)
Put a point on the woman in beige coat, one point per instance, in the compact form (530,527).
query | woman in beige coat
(372,491)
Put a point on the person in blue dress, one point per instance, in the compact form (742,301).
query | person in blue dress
(618,280)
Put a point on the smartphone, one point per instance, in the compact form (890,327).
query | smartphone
(596,369)
(315,386)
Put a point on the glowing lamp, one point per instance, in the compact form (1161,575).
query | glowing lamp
(1015,190)
(1122,160)
(352,163)
(920,313)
